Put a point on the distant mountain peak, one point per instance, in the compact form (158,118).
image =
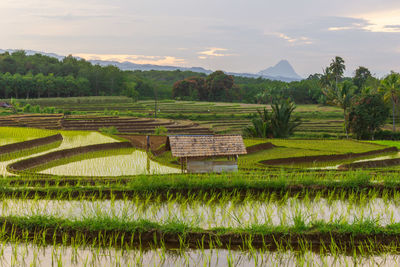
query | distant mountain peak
(282,69)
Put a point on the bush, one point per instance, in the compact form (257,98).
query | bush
(278,124)
(27,108)
(109,130)
(36,109)
(387,135)
(160,130)
(367,114)
(49,110)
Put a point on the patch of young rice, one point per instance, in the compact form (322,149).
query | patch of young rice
(254,141)
(209,215)
(332,146)
(83,138)
(117,165)
(386,143)
(71,139)
(331,165)
(25,254)
(9,135)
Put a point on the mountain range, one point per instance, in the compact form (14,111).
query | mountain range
(282,71)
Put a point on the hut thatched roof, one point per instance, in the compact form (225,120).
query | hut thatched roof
(206,145)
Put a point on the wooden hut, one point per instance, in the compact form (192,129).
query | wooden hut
(207,153)
(5,105)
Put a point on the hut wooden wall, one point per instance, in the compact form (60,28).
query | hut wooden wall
(198,166)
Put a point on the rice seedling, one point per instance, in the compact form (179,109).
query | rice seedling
(9,135)
(71,139)
(228,211)
(109,163)
(40,255)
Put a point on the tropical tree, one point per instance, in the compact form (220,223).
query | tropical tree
(261,125)
(361,76)
(390,87)
(282,123)
(341,97)
(337,69)
(326,79)
(277,124)
(269,94)
(219,86)
(367,115)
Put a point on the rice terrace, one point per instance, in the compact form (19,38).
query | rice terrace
(139,160)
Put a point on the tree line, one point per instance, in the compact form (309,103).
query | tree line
(34,76)
(365,100)
(38,75)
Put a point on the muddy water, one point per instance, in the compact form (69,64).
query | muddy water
(134,163)
(31,255)
(199,214)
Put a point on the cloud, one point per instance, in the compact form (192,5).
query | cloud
(137,59)
(72,17)
(213,52)
(388,22)
(294,40)
(339,28)
(382,21)
(395,27)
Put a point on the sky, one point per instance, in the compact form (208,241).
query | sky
(231,35)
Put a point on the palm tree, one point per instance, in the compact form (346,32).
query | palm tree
(326,77)
(337,69)
(261,125)
(278,124)
(390,87)
(282,123)
(341,97)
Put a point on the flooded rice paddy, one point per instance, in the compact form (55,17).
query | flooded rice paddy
(335,165)
(71,139)
(133,162)
(23,254)
(9,135)
(209,215)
